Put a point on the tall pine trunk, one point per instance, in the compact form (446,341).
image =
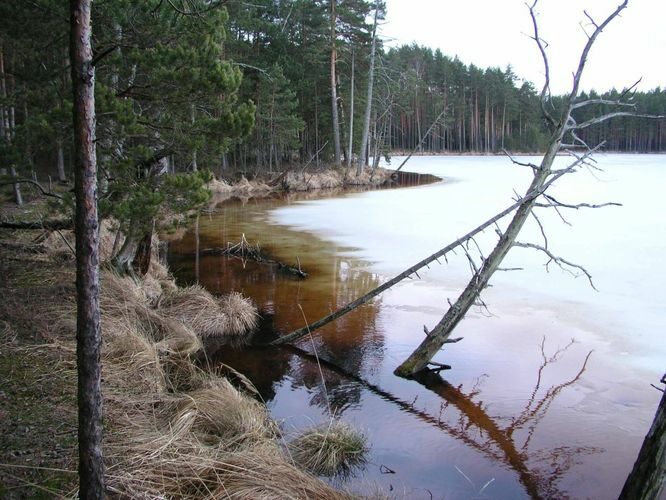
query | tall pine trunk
(363,152)
(350,149)
(88,334)
(334,88)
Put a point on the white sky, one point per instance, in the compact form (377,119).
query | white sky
(494,33)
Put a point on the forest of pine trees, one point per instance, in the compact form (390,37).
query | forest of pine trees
(246,87)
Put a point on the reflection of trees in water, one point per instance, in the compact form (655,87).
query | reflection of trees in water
(354,347)
(353,342)
(471,422)
(539,470)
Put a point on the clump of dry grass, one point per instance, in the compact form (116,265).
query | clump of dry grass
(310,181)
(368,177)
(231,316)
(219,186)
(329,450)
(163,464)
(218,414)
(211,442)
(260,476)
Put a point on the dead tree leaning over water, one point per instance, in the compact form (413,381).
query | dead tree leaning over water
(563,127)
(563,139)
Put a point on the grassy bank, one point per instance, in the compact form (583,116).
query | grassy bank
(172,430)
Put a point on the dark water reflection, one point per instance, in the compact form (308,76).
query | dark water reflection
(488,435)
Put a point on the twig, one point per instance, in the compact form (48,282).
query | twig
(561,262)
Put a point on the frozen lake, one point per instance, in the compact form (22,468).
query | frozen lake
(549,394)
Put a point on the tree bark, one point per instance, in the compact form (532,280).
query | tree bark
(350,150)
(88,332)
(363,152)
(334,88)
(647,478)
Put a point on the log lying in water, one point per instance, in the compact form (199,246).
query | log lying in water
(245,250)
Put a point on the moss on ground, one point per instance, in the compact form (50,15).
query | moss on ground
(37,375)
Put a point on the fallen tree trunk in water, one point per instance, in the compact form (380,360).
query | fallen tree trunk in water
(246,251)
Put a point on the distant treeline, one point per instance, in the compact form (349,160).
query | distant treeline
(248,86)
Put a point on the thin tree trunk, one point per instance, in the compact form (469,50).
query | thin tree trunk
(62,176)
(88,334)
(4,117)
(18,197)
(334,89)
(350,149)
(195,165)
(363,152)
(647,478)
(503,123)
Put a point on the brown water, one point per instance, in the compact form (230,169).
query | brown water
(524,412)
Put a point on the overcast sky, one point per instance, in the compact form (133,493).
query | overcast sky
(494,33)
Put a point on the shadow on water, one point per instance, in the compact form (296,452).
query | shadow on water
(353,348)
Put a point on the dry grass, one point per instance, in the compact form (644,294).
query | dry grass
(219,415)
(176,431)
(167,465)
(311,181)
(172,430)
(329,450)
(231,316)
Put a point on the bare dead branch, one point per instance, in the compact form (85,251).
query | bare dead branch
(608,116)
(425,136)
(516,162)
(609,102)
(588,46)
(562,263)
(62,237)
(592,21)
(543,231)
(559,214)
(577,206)
(545,91)
(34,183)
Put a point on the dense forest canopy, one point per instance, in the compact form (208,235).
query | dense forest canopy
(234,86)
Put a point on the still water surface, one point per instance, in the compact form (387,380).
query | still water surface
(549,394)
